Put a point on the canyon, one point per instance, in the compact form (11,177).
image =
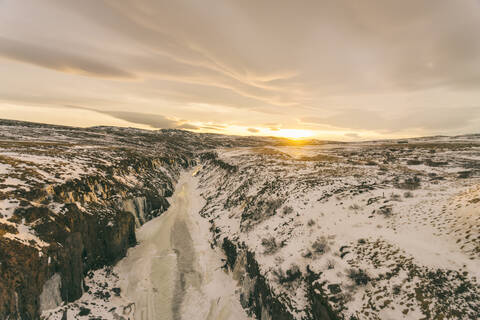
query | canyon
(121,223)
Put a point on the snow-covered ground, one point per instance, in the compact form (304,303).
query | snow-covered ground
(391,230)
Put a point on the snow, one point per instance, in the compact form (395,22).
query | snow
(30,157)
(100,300)
(5,168)
(27,236)
(7,207)
(216,297)
(9,181)
(71,167)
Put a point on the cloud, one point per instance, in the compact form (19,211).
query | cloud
(272,126)
(154,121)
(430,118)
(187,126)
(253,130)
(217,127)
(352,135)
(380,65)
(211,128)
(58,59)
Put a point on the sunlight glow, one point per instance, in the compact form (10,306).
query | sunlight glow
(293,133)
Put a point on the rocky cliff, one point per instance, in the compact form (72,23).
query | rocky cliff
(70,200)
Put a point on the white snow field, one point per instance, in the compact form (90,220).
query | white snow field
(387,237)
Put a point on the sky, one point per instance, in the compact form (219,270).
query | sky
(330,69)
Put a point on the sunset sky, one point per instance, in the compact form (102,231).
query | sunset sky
(336,69)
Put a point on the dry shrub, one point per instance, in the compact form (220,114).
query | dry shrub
(270,245)
(359,276)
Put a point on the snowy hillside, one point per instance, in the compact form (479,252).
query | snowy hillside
(382,230)
(92,220)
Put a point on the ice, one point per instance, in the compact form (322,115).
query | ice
(172,247)
(136,206)
(50,297)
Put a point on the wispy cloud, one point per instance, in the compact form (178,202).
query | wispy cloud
(430,118)
(382,65)
(58,59)
(154,121)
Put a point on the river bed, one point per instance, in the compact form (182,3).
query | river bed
(173,273)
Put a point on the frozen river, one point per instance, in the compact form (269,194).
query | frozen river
(173,273)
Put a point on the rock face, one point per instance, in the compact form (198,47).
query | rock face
(86,235)
(258,298)
(71,210)
(23,275)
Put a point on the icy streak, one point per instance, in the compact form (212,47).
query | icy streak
(169,275)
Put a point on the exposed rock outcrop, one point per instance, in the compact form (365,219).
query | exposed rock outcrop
(89,233)
(58,230)
(257,296)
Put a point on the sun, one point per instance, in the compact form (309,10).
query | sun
(294,133)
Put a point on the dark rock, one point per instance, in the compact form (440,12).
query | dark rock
(84,311)
(318,303)
(116,291)
(230,251)
(334,288)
